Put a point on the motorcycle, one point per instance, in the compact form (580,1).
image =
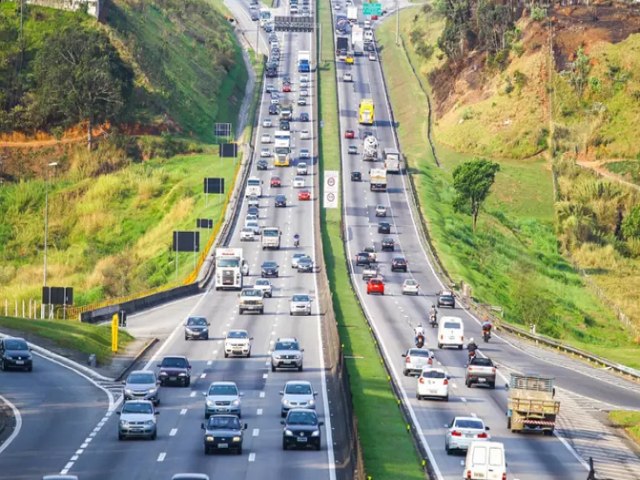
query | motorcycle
(433,320)
(296,241)
(472,354)
(486,335)
(419,341)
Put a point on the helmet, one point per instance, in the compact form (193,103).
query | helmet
(471,340)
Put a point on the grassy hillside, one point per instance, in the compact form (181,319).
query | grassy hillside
(513,259)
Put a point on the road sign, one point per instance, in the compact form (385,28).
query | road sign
(372,9)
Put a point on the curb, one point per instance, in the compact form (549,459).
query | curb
(149,344)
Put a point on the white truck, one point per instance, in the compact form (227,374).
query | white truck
(378,180)
(254,187)
(392,160)
(271,238)
(230,268)
(352,14)
(370,149)
(357,40)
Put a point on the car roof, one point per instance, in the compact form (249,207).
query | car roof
(239,330)
(174,356)
(298,382)
(190,476)
(146,402)
(287,339)
(468,418)
(223,383)
(140,371)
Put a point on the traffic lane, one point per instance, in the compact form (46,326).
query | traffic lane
(59,408)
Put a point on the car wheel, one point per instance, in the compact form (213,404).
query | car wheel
(273,369)
(261,311)
(186,337)
(120,436)
(317,445)
(467,382)
(30,368)
(439,345)
(308,313)
(249,354)
(239,451)
(188,382)
(446,399)
(2,365)
(206,415)
(284,445)
(405,373)
(206,450)
(447,449)
(240,311)
(508,423)
(548,433)
(154,435)
(459,347)
(226,355)
(283,413)
(492,385)
(300,368)
(206,337)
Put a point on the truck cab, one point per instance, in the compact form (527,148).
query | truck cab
(271,238)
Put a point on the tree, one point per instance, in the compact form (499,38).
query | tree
(472,181)
(631,224)
(579,74)
(80,77)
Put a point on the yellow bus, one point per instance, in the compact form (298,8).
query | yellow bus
(365,112)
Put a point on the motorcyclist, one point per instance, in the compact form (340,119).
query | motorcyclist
(419,332)
(486,330)
(433,315)
(296,240)
(472,347)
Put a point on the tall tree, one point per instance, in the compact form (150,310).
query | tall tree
(472,182)
(80,77)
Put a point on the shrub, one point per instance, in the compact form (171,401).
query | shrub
(538,13)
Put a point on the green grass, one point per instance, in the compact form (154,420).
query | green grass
(515,247)
(629,420)
(375,405)
(81,337)
(629,169)
(110,235)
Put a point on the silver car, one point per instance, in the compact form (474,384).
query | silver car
(462,431)
(295,258)
(142,385)
(137,419)
(287,354)
(237,344)
(222,397)
(415,359)
(264,284)
(300,303)
(297,394)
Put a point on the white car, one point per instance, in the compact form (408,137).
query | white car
(410,287)
(347,77)
(267,123)
(462,431)
(372,56)
(264,285)
(304,78)
(301,169)
(336,6)
(415,359)
(298,182)
(297,394)
(304,153)
(381,211)
(295,258)
(305,135)
(300,303)
(266,138)
(247,234)
(237,343)
(265,153)
(253,225)
(250,218)
(222,397)
(304,93)
(433,382)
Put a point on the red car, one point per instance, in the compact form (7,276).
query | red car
(349,134)
(304,195)
(375,285)
(286,87)
(374,17)
(276,182)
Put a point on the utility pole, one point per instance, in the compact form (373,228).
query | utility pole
(397,23)
(46,230)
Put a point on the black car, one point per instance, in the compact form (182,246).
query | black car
(356,176)
(262,165)
(446,299)
(352,150)
(304,117)
(301,429)
(269,269)
(305,264)
(284,125)
(15,353)
(223,433)
(388,244)
(175,369)
(196,327)
(398,263)
(363,258)
(273,109)
(384,227)
(281,201)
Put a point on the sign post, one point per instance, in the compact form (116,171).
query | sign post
(115,320)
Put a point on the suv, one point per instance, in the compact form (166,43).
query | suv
(388,244)
(237,343)
(223,432)
(398,263)
(286,354)
(281,200)
(265,286)
(363,258)
(297,394)
(251,300)
(222,397)
(175,369)
(446,299)
(301,429)
(196,327)
(141,385)
(15,353)
(137,419)
(300,303)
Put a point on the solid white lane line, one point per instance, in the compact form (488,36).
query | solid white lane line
(162,456)
(16,430)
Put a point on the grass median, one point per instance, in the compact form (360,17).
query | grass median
(387,446)
(629,420)
(80,337)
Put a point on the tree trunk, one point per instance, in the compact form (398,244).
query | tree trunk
(89,134)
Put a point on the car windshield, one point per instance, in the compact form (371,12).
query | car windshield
(410,283)
(281,198)
(262,282)
(419,353)
(175,362)
(482,362)
(302,418)
(300,298)
(223,390)
(270,233)
(269,265)
(469,423)
(286,346)
(446,294)
(433,374)
(197,321)
(223,423)
(137,407)
(228,262)
(141,378)
(15,345)
(298,389)
(251,293)
(304,260)
(237,334)
(455,325)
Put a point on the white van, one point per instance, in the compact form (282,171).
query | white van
(486,461)
(254,187)
(450,332)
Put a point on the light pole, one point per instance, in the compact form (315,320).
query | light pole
(46,229)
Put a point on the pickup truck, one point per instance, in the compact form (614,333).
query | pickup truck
(251,299)
(480,370)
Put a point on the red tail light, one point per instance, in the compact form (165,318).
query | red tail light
(462,338)
(421,380)
(468,474)
(456,433)
(441,337)
(407,359)
(504,476)
(483,435)
(445,382)
(493,370)
(430,361)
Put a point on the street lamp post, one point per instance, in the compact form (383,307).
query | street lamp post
(46,229)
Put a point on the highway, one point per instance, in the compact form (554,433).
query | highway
(179,447)
(530,456)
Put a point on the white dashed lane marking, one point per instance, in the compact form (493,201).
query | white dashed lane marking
(162,456)
(173,432)
(256,432)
